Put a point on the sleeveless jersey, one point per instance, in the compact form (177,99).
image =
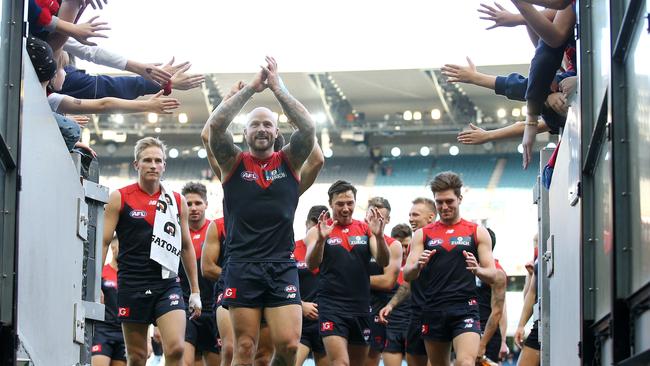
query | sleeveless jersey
(205,286)
(378,298)
(260,198)
(445,281)
(484,292)
(344,284)
(134,230)
(109,288)
(308,279)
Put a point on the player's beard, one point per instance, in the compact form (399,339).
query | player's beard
(261,145)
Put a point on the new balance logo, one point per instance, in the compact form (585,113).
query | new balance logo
(148,292)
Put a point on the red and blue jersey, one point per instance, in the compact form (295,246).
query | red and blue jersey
(260,199)
(134,230)
(378,298)
(344,286)
(109,289)
(205,286)
(445,280)
(308,279)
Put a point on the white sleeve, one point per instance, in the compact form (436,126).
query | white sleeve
(95,54)
(55,100)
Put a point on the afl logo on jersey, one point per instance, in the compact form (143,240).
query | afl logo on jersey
(249,176)
(334,241)
(434,242)
(138,214)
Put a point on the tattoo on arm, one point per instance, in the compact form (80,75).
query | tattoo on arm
(302,140)
(403,292)
(221,141)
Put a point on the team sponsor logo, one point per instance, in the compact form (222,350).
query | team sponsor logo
(174,297)
(358,240)
(435,242)
(96,348)
(153,202)
(173,303)
(326,326)
(170,228)
(148,292)
(166,245)
(123,312)
(249,176)
(450,231)
(196,236)
(366,334)
(301,265)
(334,241)
(425,329)
(469,322)
(274,174)
(110,284)
(377,319)
(461,240)
(346,230)
(230,293)
(138,214)
(162,206)
(290,288)
(472,302)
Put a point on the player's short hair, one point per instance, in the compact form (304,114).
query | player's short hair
(147,142)
(379,202)
(401,231)
(425,201)
(196,188)
(446,180)
(314,213)
(341,186)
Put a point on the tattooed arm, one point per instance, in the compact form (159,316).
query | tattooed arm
(205,133)
(302,140)
(222,145)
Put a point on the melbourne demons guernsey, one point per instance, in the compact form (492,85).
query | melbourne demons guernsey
(109,288)
(260,197)
(445,280)
(484,293)
(134,230)
(378,298)
(344,283)
(205,286)
(308,279)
